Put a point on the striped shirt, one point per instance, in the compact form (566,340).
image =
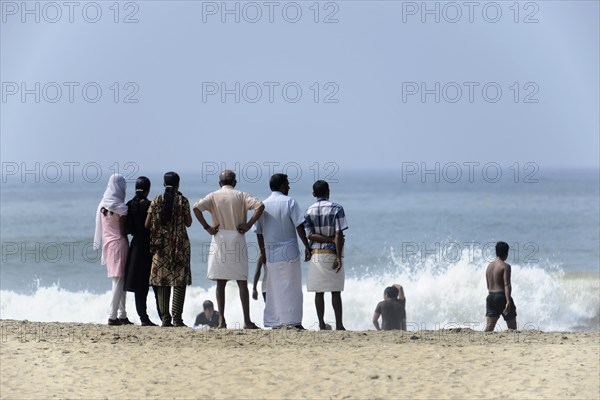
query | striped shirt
(324,218)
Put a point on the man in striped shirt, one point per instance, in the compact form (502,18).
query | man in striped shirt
(324,224)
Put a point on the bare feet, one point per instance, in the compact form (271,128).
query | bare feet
(251,325)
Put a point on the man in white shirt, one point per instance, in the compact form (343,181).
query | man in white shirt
(277,232)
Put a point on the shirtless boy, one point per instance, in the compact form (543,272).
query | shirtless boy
(499,300)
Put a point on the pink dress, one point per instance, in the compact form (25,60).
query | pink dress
(114,245)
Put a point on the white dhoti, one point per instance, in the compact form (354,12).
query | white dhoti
(284,293)
(228,256)
(321,275)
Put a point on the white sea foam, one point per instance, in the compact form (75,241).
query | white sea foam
(437,297)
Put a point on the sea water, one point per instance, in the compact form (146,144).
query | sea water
(434,234)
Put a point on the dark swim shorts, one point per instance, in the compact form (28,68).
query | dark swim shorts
(494,305)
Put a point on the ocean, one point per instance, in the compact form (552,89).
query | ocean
(431,228)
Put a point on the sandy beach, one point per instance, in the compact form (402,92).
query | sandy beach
(70,360)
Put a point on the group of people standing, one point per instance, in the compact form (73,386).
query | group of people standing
(159,253)
(321,231)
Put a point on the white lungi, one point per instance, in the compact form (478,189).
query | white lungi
(284,293)
(228,257)
(321,275)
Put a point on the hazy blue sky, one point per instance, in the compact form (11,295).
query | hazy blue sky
(369,67)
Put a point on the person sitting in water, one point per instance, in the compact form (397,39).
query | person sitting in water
(392,309)
(209,316)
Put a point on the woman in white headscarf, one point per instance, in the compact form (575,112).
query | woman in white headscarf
(111,234)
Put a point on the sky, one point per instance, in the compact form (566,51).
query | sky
(360,85)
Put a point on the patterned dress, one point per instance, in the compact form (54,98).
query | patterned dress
(169,244)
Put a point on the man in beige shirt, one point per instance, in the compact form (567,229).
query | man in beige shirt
(228,256)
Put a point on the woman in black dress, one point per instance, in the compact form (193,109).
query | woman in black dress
(139,259)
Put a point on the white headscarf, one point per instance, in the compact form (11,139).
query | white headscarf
(113,200)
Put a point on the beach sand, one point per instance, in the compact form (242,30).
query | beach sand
(70,360)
